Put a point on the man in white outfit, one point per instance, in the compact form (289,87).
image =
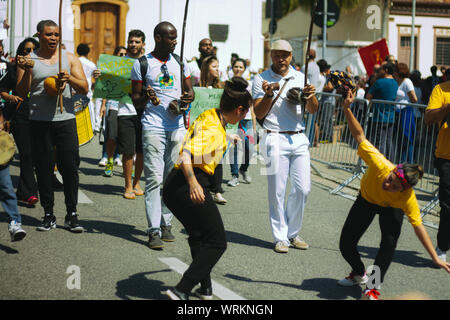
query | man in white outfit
(284,144)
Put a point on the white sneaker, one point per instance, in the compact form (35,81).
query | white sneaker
(353,280)
(246,177)
(218,198)
(299,243)
(281,247)
(118,162)
(233,182)
(441,254)
(16,231)
(103,162)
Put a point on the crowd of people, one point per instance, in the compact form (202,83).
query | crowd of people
(182,163)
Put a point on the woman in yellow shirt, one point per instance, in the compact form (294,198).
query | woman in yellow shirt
(186,191)
(386,189)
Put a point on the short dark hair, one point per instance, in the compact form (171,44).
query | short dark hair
(83,49)
(45,23)
(161,28)
(136,34)
(239,60)
(117,49)
(389,68)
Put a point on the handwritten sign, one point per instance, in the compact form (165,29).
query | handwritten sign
(206,99)
(115,80)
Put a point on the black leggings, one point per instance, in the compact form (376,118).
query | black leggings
(443,236)
(203,224)
(359,219)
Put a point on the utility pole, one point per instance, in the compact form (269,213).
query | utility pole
(12,31)
(324,28)
(411,54)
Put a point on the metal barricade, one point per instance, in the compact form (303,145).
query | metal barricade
(397,129)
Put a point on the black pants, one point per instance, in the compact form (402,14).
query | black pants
(359,219)
(216,179)
(27,186)
(202,222)
(60,137)
(443,236)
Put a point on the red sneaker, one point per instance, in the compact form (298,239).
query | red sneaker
(370,294)
(32,200)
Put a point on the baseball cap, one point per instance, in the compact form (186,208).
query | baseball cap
(281,45)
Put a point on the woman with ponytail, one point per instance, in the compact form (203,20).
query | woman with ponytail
(186,190)
(386,190)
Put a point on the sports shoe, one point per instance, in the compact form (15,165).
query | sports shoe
(246,176)
(48,223)
(204,293)
(71,223)
(118,162)
(441,254)
(109,169)
(233,182)
(218,198)
(31,201)
(299,243)
(154,241)
(281,247)
(174,294)
(103,161)
(166,234)
(370,294)
(16,231)
(353,279)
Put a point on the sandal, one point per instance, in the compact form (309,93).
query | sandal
(129,195)
(138,193)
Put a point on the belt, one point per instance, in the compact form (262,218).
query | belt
(285,132)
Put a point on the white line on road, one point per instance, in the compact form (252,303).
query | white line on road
(218,290)
(82,198)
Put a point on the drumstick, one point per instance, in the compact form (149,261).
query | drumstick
(18,105)
(60,54)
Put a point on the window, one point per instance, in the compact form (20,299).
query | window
(442,52)
(404,50)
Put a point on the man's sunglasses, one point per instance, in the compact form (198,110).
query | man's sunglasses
(27,50)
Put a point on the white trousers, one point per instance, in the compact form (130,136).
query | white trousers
(286,156)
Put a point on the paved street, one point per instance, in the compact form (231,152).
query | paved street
(115,263)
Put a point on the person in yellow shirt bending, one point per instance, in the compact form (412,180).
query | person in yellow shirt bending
(186,193)
(438,111)
(386,190)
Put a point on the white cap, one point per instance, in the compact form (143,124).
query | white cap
(281,45)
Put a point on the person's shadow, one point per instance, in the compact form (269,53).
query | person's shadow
(327,288)
(140,286)
(120,230)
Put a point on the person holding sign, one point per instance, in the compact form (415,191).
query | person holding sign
(53,130)
(284,144)
(186,189)
(386,190)
(163,131)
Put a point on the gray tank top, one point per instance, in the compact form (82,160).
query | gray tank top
(44,107)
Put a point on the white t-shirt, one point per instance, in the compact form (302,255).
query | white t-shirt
(402,93)
(89,67)
(360,93)
(159,118)
(283,116)
(195,72)
(320,82)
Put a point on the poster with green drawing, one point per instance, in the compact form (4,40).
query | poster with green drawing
(115,80)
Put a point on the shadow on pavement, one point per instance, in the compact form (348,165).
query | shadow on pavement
(120,230)
(140,286)
(405,257)
(26,220)
(107,189)
(8,250)
(327,288)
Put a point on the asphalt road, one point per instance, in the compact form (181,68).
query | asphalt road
(113,261)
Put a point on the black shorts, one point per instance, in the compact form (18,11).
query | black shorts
(111,125)
(129,135)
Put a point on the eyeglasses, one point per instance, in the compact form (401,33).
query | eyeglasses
(165,71)
(122,54)
(27,50)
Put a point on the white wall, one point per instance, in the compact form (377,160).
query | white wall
(426,39)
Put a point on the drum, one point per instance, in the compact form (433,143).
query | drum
(7,148)
(83,118)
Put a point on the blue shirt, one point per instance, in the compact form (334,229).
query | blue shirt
(384,89)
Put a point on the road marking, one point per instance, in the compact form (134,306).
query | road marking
(218,290)
(82,198)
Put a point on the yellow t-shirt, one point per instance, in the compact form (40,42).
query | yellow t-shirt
(372,181)
(440,97)
(205,141)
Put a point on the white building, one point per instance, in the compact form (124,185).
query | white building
(233,25)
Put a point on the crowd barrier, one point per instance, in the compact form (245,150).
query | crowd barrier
(397,129)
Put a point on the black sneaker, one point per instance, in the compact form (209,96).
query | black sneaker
(71,223)
(48,223)
(154,241)
(204,293)
(166,234)
(174,294)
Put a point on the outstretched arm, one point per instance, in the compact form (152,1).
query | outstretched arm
(353,124)
(423,236)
